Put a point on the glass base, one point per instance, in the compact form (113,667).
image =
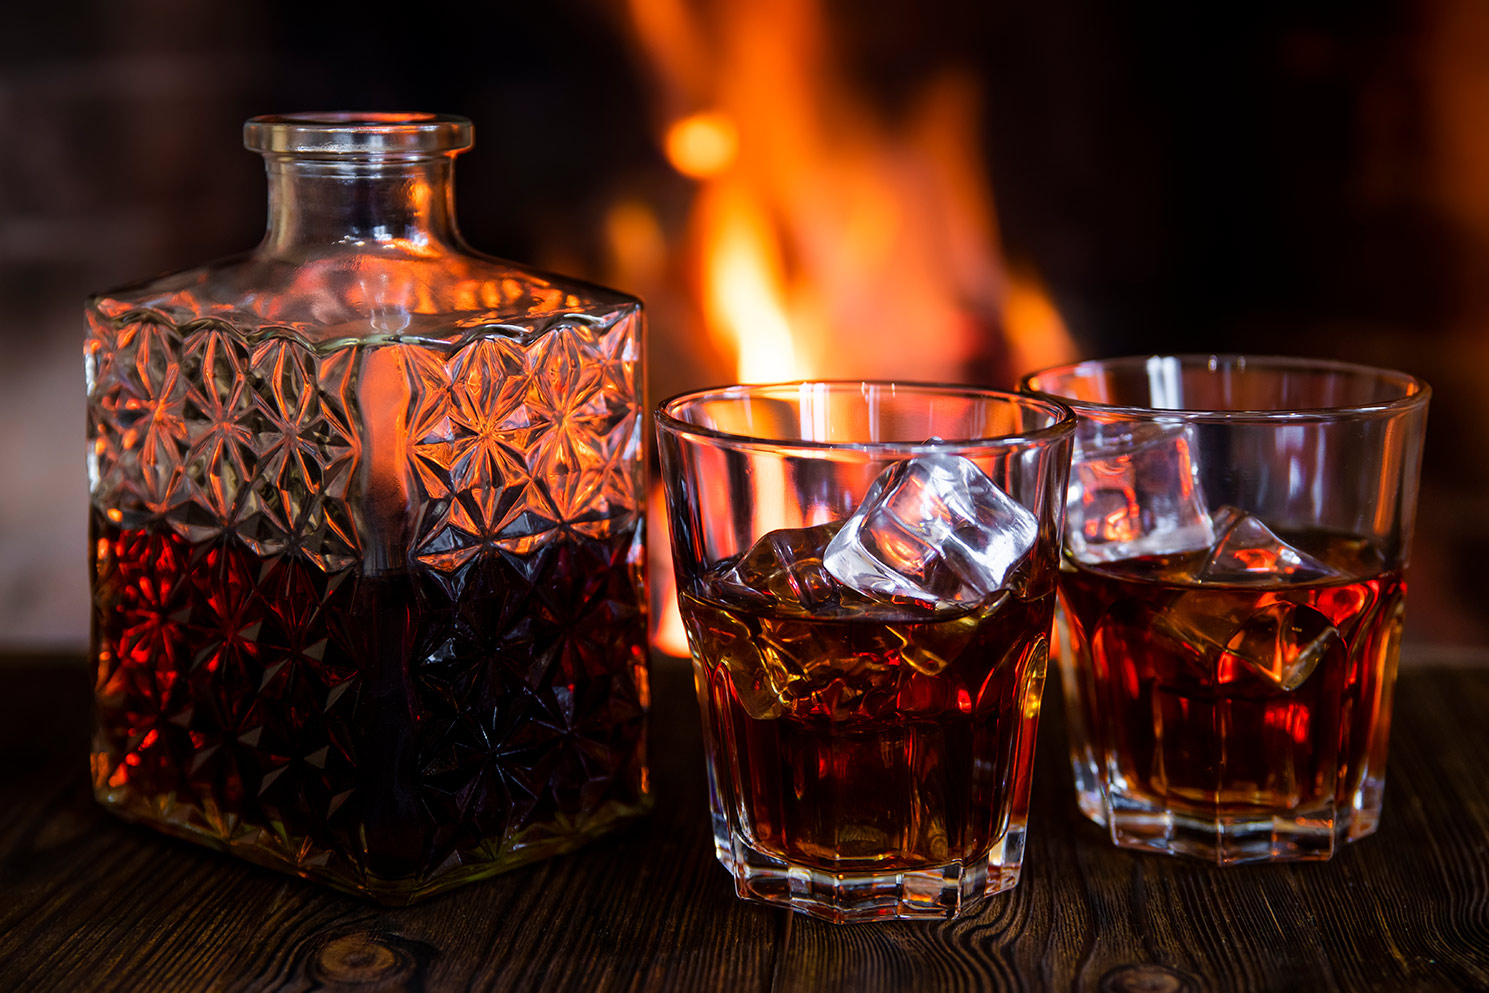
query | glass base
(1088,794)
(934,893)
(270,847)
(1285,836)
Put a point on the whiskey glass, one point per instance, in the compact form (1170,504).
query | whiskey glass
(866,572)
(1232,592)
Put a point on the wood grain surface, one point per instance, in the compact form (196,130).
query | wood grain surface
(90,903)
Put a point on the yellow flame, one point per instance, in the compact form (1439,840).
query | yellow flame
(743,290)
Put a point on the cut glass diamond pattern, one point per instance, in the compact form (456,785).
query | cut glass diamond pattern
(238,695)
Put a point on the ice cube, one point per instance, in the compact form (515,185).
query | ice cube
(1280,643)
(1224,636)
(933,529)
(757,685)
(1247,551)
(929,647)
(736,649)
(824,669)
(1135,491)
(785,568)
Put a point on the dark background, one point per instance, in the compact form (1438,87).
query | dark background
(1304,178)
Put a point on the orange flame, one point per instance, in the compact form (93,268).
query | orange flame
(702,145)
(668,634)
(828,240)
(743,276)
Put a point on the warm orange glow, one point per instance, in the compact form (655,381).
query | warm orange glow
(742,285)
(636,242)
(668,33)
(669,638)
(702,145)
(384,399)
(1036,334)
(668,635)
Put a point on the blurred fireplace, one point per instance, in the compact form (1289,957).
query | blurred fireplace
(822,235)
(824,174)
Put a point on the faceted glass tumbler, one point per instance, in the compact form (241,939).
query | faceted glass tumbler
(866,573)
(1232,592)
(366,534)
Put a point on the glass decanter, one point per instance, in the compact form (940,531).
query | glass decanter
(366,533)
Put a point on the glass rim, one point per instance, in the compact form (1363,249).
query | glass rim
(1414,391)
(1062,425)
(358,133)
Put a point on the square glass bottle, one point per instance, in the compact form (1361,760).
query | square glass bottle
(366,533)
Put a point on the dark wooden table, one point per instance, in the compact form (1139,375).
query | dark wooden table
(90,903)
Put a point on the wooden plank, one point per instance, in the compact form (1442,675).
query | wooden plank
(88,903)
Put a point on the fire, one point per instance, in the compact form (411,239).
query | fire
(702,145)
(743,300)
(828,238)
(668,634)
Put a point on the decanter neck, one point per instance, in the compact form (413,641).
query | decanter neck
(360,182)
(398,206)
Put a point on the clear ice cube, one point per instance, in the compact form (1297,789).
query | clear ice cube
(785,658)
(933,529)
(785,568)
(1247,551)
(930,647)
(1135,491)
(1280,643)
(759,685)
